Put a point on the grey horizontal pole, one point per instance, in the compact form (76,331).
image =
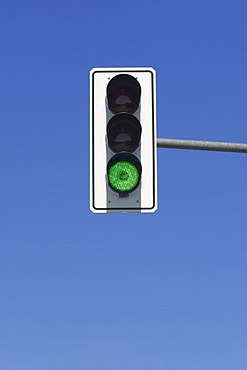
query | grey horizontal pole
(202,145)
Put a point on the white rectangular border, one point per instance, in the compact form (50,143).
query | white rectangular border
(98,131)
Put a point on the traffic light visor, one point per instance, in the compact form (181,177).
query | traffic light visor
(123,94)
(124,173)
(124,133)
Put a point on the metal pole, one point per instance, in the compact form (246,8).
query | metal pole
(202,145)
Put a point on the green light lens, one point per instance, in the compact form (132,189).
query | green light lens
(123,176)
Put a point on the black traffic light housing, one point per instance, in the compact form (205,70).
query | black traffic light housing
(123,131)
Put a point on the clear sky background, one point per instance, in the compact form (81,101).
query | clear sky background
(163,291)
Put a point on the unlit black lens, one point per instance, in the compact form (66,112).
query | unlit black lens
(124,133)
(123,94)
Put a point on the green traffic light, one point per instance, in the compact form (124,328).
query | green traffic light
(123,176)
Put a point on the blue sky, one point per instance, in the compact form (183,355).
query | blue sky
(163,291)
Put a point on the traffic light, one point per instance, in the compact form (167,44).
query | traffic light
(123,176)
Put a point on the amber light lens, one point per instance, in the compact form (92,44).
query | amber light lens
(124,133)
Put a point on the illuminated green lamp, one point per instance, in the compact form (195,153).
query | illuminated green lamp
(124,173)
